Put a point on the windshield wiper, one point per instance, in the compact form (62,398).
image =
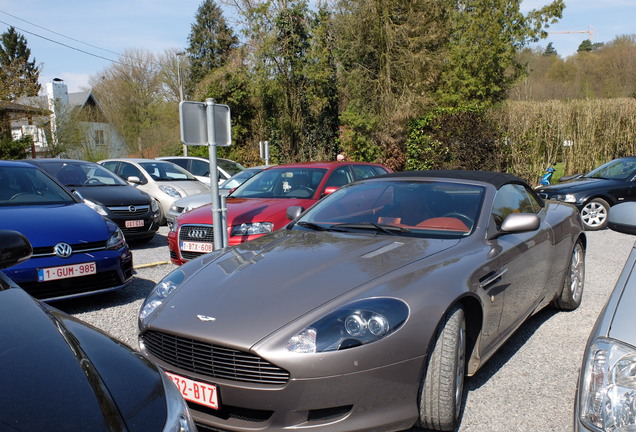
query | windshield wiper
(387,229)
(312,226)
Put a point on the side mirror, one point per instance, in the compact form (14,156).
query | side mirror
(622,218)
(517,223)
(14,248)
(133,179)
(330,190)
(294,212)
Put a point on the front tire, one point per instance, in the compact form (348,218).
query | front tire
(442,386)
(594,214)
(572,291)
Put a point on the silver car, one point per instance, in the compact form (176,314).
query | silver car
(606,395)
(366,312)
(200,167)
(188,203)
(162,180)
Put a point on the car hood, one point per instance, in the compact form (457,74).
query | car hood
(70,377)
(580,184)
(188,187)
(278,278)
(113,195)
(247,210)
(46,225)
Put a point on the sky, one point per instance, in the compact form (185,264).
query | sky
(76,39)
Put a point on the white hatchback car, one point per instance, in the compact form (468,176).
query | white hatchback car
(200,167)
(162,180)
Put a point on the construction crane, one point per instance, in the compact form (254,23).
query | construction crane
(589,31)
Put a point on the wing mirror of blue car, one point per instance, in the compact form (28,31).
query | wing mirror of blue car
(517,223)
(14,248)
(622,218)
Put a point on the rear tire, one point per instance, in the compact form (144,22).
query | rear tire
(594,214)
(442,387)
(572,291)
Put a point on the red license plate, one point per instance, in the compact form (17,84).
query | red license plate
(134,223)
(65,272)
(203,247)
(196,391)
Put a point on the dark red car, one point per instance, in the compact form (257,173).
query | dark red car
(259,205)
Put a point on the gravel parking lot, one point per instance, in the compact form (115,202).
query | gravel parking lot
(528,385)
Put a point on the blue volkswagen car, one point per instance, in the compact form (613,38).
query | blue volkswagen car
(76,251)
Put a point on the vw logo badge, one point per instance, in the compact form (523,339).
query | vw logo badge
(197,234)
(132,209)
(63,250)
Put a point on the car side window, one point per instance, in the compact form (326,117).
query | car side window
(365,171)
(513,198)
(129,170)
(200,168)
(339,177)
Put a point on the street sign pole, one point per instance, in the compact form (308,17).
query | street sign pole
(217,219)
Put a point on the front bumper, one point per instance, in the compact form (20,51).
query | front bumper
(379,399)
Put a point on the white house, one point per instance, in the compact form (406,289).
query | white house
(99,137)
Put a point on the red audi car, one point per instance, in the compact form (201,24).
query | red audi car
(259,205)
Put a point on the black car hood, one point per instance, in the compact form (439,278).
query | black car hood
(60,374)
(582,184)
(113,195)
(249,291)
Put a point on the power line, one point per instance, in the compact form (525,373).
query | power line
(60,34)
(63,44)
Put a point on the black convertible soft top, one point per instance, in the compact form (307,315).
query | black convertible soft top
(494,178)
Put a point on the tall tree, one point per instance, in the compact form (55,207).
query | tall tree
(133,95)
(482,60)
(18,75)
(210,43)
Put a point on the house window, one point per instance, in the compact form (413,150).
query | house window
(99,137)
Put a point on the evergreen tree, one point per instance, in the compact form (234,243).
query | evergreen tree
(211,43)
(550,50)
(18,76)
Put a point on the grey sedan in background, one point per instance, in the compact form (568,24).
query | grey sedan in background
(369,309)
(188,203)
(606,396)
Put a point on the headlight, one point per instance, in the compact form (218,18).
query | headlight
(253,228)
(608,393)
(159,294)
(116,240)
(98,208)
(170,191)
(154,205)
(356,324)
(568,198)
(178,417)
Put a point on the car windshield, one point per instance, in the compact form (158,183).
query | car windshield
(282,183)
(239,178)
(30,186)
(82,174)
(621,169)
(229,166)
(166,171)
(414,208)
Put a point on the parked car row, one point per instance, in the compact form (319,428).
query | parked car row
(338,276)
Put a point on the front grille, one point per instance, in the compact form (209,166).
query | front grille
(212,360)
(195,233)
(73,286)
(125,210)
(77,248)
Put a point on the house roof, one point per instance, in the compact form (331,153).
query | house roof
(16,110)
